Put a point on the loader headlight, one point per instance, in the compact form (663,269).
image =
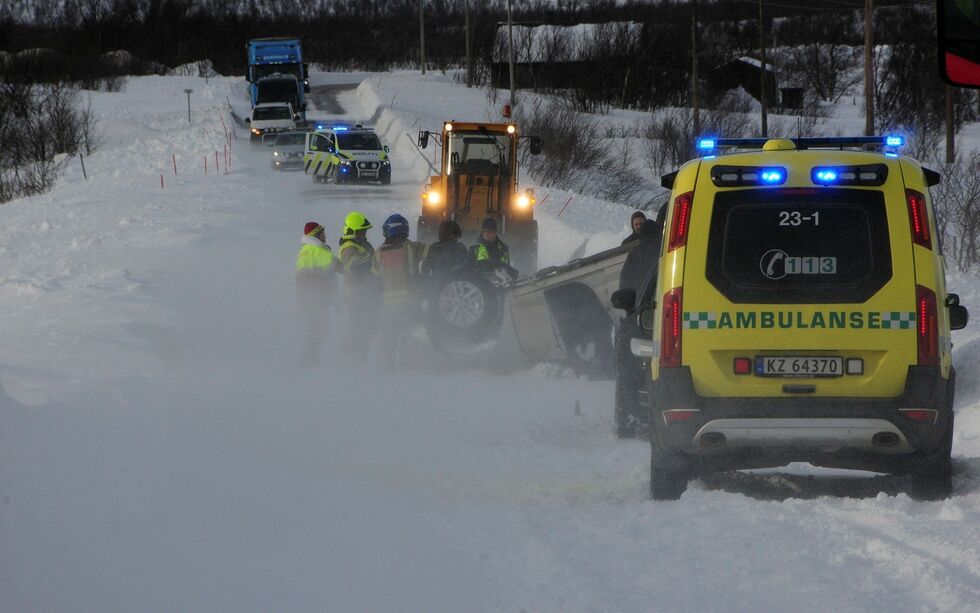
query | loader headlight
(433,198)
(256,131)
(523,201)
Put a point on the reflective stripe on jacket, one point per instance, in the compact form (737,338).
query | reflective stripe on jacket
(356,257)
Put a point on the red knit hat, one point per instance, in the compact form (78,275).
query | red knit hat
(312,228)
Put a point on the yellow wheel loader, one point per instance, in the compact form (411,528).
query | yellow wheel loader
(478,179)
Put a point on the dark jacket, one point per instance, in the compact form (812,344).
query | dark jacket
(443,256)
(640,266)
(632,237)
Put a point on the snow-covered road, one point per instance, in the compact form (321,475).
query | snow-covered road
(163,449)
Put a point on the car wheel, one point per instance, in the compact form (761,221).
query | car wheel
(668,473)
(386,180)
(932,479)
(462,311)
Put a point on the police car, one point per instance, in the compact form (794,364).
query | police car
(346,154)
(802,314)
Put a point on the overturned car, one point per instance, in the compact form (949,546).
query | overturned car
(559,314)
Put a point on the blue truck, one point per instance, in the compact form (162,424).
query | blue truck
(276,72)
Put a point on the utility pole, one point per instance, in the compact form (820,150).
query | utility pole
(510,52)
(950,132)
(762,73)
(869,85)
(694,68)
(188,92)
(422,33)
(469,46)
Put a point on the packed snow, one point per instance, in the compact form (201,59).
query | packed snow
(163,447)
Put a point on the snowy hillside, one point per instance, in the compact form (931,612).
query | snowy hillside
(162,448)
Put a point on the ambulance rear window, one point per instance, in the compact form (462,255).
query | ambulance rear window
(799,246)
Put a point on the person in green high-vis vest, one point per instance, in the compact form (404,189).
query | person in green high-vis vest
(315,281)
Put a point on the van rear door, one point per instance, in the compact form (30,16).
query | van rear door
(801,285)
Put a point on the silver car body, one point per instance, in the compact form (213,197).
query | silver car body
(287,150)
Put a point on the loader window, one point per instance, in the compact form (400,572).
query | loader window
(484,153)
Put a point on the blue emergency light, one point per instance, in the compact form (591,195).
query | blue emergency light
(340,128)
(706,144)
(894,141)
(865,174)
(772,175)
(825,176)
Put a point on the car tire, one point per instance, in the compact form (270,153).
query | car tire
(462,310)
(668,473)
(386,180)
(932,478)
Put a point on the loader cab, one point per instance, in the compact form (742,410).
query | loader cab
(478,178)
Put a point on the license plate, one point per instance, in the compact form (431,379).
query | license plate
(798,366)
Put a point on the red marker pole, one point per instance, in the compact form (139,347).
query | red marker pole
(174,156)
(216,167)
(567,202)
(205,166)
(161,180)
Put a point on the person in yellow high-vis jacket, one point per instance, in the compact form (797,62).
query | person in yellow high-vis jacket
(314,289)
(397,263)
(361,288)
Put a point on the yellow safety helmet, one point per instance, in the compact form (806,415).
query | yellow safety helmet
(355,221)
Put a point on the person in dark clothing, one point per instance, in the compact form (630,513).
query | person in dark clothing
(642,260)
(447,254)
(489,252)
(636,221)
(640,274)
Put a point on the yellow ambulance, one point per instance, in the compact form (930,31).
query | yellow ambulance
(802,314)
